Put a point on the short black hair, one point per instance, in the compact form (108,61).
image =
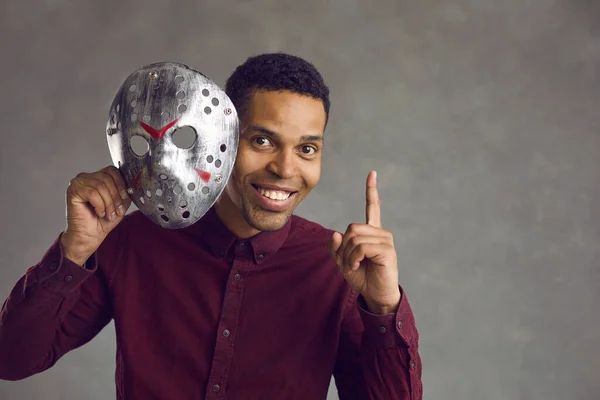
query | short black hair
(276,72)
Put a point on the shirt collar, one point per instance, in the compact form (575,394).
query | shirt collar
(220,239)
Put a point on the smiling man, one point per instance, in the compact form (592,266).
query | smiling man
(279,160)
(250,302)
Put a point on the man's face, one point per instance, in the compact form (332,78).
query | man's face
(279,157)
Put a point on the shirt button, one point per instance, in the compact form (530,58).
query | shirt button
(53,267)
(68,278)
(216,388)
(400,324)
(382,329)
(226,333)
(242,244)
(412,365)
(261,256)
(237,277)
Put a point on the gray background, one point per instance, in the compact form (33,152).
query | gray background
(480,116)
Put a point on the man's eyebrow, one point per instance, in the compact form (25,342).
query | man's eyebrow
(264,131)
(275,135)
(312,138)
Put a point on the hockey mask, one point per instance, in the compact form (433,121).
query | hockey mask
(173,134)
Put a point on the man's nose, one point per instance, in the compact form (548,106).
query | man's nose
(283,164)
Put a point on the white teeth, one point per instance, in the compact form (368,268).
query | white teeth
(274,194)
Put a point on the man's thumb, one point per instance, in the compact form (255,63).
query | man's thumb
(335,243)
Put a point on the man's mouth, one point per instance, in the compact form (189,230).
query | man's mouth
(274,194)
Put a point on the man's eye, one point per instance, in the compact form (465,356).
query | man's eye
(262,141)
(308,150)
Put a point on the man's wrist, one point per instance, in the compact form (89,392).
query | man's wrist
(378,308)
(68,251)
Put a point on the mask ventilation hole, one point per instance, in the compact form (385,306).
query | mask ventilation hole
(191,186)
(209,159)
(163,176)
(165,218)
(179,79)
(142,200)
(223,148)
(218,163)
(165,115)
(146,118)
(132,88)
(205,92)
(186,214)
(207,110)
(182,108)
(148,193)
(133,103)
(205,190)
(159,192)
(180,95)
(183,204)
(177,189)
(134,117)
(161,207)
(215,101)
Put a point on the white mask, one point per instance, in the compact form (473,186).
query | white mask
(173,134)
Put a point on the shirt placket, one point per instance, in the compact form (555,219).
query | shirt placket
(224,347)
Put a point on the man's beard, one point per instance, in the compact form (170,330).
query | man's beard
(274,221)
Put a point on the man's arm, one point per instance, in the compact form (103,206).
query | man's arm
(55,307)
(63,302)
(378,355)
(379,322)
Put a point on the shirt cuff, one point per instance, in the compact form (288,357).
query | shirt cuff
(388,330)
(59,274)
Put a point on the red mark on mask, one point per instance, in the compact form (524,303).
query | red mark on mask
(205,176)
(157,133)
(136,180)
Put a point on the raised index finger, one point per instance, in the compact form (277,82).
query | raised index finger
(373,205)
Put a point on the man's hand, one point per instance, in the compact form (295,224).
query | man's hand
(366,257)
(96,203)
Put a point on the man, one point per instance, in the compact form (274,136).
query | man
(248,302)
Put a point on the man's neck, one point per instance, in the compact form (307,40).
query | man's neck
(231,216)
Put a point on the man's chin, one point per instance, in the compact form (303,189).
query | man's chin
(267,221)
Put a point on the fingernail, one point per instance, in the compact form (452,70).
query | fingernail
(112,216)
(124,194)
(121,209)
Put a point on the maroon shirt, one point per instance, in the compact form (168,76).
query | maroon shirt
(200,314)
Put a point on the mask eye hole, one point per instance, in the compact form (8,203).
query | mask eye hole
(184,137)
(139,145)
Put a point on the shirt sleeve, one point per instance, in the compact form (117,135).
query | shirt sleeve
(55,307)
(378,355)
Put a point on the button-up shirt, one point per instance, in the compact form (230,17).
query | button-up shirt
(200,314)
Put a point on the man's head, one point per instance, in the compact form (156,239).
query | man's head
(283,106)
